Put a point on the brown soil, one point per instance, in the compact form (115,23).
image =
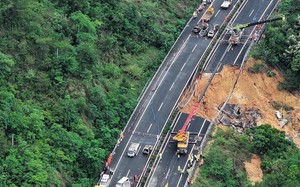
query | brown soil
(254,172)
(252,90)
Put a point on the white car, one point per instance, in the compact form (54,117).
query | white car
(211,33)
(104,180)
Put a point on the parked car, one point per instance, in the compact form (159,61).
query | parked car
(204,29)
(147,149)
(211,33)
(133,149)
(104,180)
(216,27)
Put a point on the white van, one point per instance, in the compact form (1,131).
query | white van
(123,182)
(104,180)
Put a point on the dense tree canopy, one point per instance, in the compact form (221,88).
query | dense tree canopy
(224,159)
(281,47)
(70,75)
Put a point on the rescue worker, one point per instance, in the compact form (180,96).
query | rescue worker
(195,14)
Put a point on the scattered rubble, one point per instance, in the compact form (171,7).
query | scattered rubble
(257,91)
(232,115)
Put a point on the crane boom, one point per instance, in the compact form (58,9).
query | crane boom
(236,32)
(188,120)
(242,26)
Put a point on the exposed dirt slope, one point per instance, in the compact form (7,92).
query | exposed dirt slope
(253,169)
(252,90)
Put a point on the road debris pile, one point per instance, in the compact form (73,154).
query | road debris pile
(257,91)
(234,116)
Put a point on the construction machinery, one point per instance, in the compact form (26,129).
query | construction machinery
(182,137)
(237,31)
(208,14)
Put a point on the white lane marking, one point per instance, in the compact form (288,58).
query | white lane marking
(168,173)
(262,15)
(182,67)
(127,173)
(217,13)
(185,165)
(180,50)
(171,86)
(149,127)
(165,146)
(229,47)
(138,150)
(194,48)
(149,102)
(160,106)
(251,12)
(212,56)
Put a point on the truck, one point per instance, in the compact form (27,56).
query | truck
(133,149)
(226,4)
(208,14)
(182,142)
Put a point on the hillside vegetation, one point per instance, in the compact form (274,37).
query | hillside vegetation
(70,73)
(224,159)
(281,47)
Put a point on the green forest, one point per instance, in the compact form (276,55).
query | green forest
(224,160)
(71,72)
(281,47)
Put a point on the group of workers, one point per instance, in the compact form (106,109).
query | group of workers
(200,8)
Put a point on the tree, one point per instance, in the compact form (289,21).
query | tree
(6,65)
(268,141)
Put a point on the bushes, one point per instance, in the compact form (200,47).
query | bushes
(279,105)
(257,68)
(70,74)
(224,165)
(280,48)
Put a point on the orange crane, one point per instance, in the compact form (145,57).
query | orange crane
(182,137)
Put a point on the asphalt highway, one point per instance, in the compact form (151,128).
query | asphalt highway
(156,105)
(233,55)
(163,92)
(167,169)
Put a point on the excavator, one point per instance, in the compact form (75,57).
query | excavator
(237,31)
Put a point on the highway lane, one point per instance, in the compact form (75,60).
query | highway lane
(167,169)
(150,119)
(234,55)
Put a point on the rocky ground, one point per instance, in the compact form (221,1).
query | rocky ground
(256,91)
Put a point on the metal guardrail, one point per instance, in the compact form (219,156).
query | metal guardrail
(157,158)
(166,137)
(147,87)
(204,142)
(212,47)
